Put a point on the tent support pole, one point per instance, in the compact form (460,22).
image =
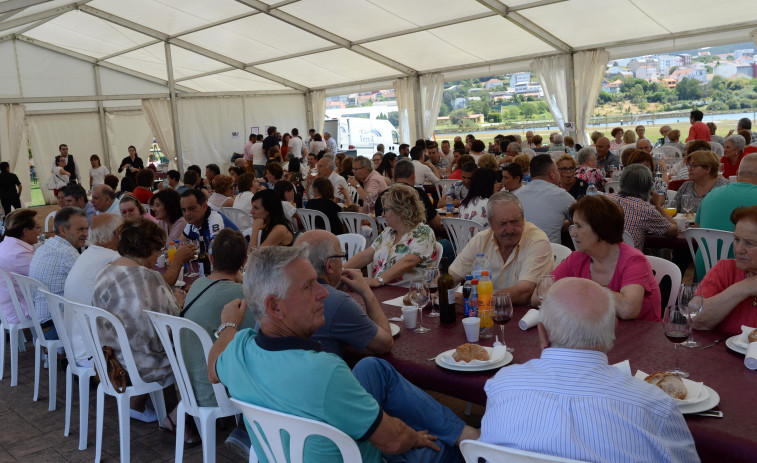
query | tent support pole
(174,108)
(572,115)
(308,111)
(101,111)
(419,128)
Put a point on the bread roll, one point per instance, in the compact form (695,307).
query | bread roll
(467,352)
(671,384)
(753,336)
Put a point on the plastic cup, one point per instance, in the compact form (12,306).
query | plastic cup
(681,223)
(529,320)
(410,314)
(472,326)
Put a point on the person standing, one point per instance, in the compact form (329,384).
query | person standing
(10,188)
(132,163)
(71,166)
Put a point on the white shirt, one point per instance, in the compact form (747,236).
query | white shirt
(242,201)
(258,156)
(546,206)
(476,157)
(338,181)
(79,287)
(98,175)
(424,173)
(296,146)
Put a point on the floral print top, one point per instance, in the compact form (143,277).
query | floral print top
(591,174)
(476,211)
(420,241)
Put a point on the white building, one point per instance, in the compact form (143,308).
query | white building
(460,103)
(520,78)
(665,62)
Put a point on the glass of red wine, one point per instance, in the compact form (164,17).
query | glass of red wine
(430,276)
(502,312)
(676,323)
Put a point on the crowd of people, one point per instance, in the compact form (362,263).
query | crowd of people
(282,296)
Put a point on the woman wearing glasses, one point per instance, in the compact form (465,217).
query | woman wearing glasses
(703,178)
(567,165)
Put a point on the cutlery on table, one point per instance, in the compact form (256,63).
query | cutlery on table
(712,413)
(712,344)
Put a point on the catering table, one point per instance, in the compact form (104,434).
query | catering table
(732,438)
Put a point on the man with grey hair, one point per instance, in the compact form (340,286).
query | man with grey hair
(346,322)
(644,145)
(557,143)
(330,143)
(80,282)
(745,124)
(518,252)
(604,157)
(280,368)
(366,180)
(529,140)
(570,403)
(104,200)
(326,170)
(664,132)
(513,149)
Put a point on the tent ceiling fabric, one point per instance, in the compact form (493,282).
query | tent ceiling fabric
(299,45)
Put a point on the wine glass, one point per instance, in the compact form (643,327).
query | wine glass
(690,299)
(721,169)
(192,273)
(688,204)
(676,324)
(543,285)
(502,312)
(430,275)
(419,298)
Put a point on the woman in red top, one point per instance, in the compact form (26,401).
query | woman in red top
(144,179)
(733,152)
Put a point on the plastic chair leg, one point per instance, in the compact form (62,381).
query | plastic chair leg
(22,341)
(52,373)
(2,350)
(69,399)
(14,357)
(208,434)
(37,366)
(159,403)
(124,426)
(180,425)
(83,410)
(99,429)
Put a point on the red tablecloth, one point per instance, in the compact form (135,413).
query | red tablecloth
(728,439)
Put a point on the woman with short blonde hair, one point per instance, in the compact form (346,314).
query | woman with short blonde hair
(703,177)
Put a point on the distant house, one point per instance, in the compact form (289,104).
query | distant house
(727,69)
(747,54)
(476,90)
(474,98)
(611,87)
(614,70)
(687,59)
(442,120)
(493,83)
(698,73)
(647,72)
(668,82)
(477,118)
(665,62)
(520,78)
(502,95)
(335,105)
(460,103)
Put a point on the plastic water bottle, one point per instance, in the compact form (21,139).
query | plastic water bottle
(473,300)
(479,265)
(450,207)
(467,289)
(591,190)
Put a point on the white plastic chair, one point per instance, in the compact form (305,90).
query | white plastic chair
(472,450)
(713,245)
(28,286)
(271,423)
(381,223)
(716,148)
(460,231)
(352,243)
(353,223)
(559,252)
(62,317)
(671,151)
(49,221)
(627,238)
(14,331)
(439,251)
(88,318)
(169,330)
(241,218)
(442,188)
(309,217)
(662,268)
(612,187)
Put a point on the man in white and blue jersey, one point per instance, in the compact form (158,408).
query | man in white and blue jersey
(203,223)
(570,403)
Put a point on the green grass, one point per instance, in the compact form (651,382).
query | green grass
(37,199)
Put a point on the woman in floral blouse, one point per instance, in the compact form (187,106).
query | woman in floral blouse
(406,247)
(473,206)
(587,168)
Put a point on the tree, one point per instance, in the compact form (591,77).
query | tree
(458,117)
(688,89)
(528,109)
(495,118)
(443,110)
(603,98)
(717,106)
(382,116)
(394,118)
(511,112)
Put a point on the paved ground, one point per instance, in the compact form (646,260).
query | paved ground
(29,432)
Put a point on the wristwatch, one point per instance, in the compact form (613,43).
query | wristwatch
(380,280)
(224,326)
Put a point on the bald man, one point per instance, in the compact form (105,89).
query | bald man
(104,200)
(604,157)
(570,403)
(347,323)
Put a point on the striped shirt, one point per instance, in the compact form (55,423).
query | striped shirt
(50,265)
(571,403)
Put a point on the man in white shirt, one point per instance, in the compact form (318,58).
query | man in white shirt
(258,156)
(330,143)
(546,204)
(296,145)
(326,170)
(424,171)
(104,200)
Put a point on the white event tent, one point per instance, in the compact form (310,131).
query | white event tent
(100,75)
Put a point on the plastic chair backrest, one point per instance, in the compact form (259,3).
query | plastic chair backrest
(662,268)
(28,287)
(169,330)
(353,222)
(627,238)
(439,252)
(472,450)
(309,217)
(352,243)
(442,187)
(559,252)
(62,318)
(50,221)
(460,231)
(612,187)
(716,148)
(14,301)
(713,245)
(381,223)
(272,422)
(241,218)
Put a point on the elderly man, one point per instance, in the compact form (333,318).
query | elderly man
(52,262)
(529,143)
(518,252)
(330,143)
(513,149)
(644,144)
(745,124)
(640,131)
(545,202)
(604,157)
(76,196)
(557,144)
(104,200)
(346,322)
(459,190)
(380,148)
(203,223)
(664,139)
(698,129)
(326,170)
(366,179)
(373,404)
(552,405)
(404,172)
(425,171)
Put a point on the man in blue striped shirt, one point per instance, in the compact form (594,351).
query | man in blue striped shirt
(570,403)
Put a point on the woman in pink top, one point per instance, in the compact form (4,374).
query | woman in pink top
(16,252)
(602,257)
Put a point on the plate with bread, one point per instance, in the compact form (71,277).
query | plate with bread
(472,357)
(690,396)
(740,342)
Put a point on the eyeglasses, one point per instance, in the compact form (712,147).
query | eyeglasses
(691,166)
(567,169)
(342,256)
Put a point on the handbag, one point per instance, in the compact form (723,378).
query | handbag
(51,184)
(117,374)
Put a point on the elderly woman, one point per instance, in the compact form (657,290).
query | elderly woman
(645,159)
(642,207)
(407,245)
(629,137)
(601,256)
(680,170)
(223,192)
(473,206)
(567,165)
(126,288)
(617,138)
(587,168)
(269,222)
(132,209)
(730,287)
(733,152)
(703,177)
(675,140)
(166,207)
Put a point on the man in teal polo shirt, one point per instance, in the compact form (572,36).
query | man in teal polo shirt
(281,369)
(716,208)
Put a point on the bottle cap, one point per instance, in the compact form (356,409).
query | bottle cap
(485,273)
(468,277)
(475,282)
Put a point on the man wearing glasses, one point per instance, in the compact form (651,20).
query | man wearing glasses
(366,180)
(346,322)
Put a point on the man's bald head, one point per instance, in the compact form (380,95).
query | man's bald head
(748,169)
(603,147)
(577,313)
(323,247)
(102,197)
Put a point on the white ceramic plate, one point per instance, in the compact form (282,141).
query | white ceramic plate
(395,329)
(712,400)
(492,366)
(731,343)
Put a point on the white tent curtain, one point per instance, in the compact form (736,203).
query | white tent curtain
(318,109)
(80,131)
(212,130)
(753,35)
(588,68)
(125,128)
(13,146)
(432,87)
(284,111)
(552,73)
(157,112)
(403,88)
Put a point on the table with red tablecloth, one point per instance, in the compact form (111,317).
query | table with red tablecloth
(728,439)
